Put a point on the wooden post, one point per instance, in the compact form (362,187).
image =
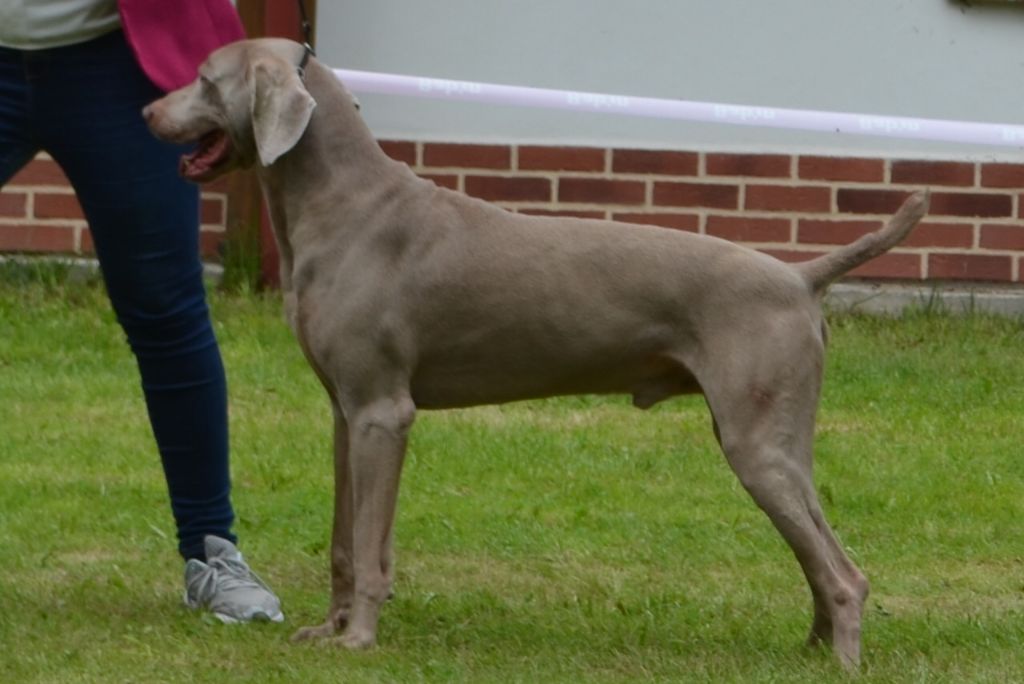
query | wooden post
(250,238)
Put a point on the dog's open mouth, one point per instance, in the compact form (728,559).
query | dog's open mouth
(212,152)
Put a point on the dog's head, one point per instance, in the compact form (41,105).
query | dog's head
(247,105)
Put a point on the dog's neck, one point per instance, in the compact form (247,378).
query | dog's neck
(337,151)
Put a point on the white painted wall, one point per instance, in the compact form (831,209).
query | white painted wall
(921,58)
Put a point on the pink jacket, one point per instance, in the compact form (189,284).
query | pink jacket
(171,39)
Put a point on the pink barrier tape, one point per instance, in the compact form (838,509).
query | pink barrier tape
(1004,135)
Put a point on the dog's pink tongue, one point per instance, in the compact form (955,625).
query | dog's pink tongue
(212,149)
(188,166)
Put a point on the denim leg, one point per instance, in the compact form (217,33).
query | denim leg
(144,221)
(17,142)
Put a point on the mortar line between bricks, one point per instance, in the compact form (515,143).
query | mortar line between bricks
(831,214)
(30,221)
(738,181)
(701,213)
(52,189)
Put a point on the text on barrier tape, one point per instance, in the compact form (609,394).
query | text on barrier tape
(1005,135)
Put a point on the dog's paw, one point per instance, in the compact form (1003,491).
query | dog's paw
(315,632)
(357,639)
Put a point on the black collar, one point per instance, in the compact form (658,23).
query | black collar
(307,52)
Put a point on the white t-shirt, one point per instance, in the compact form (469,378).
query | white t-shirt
(38,24)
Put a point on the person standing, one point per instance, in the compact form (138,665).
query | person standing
(74,77)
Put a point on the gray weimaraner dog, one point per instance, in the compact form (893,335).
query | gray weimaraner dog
(407,296)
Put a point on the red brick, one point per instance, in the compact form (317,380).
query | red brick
(933,173)
(924,235)
(742,229)
(970,267)
(40,172)
(856,201)
(655,162)
(687,222)
(891,265)
(220,184)
(854,170)
(400,150)
(509,188)
(210,242)
(85,243)
(785,198)
(584,214)
(444,180)
(760,165)
(1002,237)
(36,238)
(941,235)
(833,232)
(715,196)
(601,191)
(1002,175)
(467,156)
(13,204)
(212,211)
(542,158)
(965,204)
(53,205)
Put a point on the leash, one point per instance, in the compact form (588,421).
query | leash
(307,29)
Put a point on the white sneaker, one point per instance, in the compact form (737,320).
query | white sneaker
(226,586)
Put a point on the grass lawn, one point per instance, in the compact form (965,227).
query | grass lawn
(572,540)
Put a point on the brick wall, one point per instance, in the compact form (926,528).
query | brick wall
(39,214)
(791,206)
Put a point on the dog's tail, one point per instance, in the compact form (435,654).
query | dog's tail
(821,271)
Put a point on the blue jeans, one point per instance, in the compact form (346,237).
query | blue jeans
(81,104)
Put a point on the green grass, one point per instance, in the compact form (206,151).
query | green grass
(575,540)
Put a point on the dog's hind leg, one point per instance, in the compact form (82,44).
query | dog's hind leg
(342,574)
(765,422)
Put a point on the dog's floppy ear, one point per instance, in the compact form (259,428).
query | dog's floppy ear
(280,108)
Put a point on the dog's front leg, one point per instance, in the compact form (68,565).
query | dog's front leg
(342,575)
(378,438)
